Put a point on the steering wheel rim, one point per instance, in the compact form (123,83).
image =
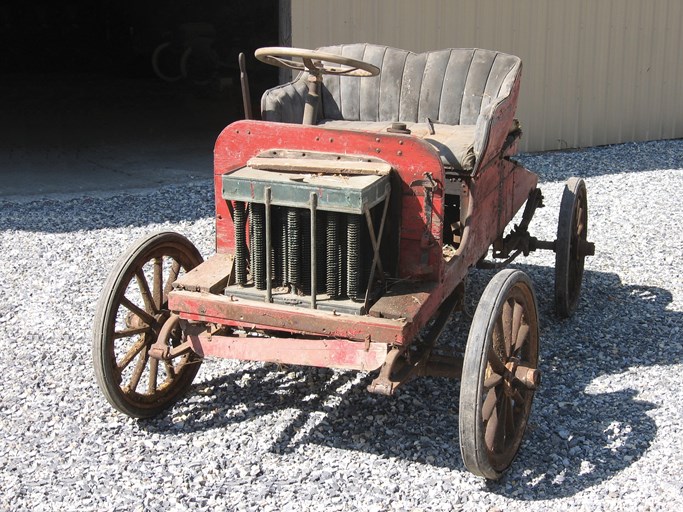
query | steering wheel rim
(314,61)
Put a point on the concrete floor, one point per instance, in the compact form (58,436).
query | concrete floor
(89,133)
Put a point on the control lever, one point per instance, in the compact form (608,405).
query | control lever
(244,80)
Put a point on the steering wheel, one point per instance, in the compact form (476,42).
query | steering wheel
(315,62)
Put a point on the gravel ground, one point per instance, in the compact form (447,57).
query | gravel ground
(605,432)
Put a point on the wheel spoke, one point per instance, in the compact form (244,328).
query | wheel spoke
(127,333)
(496,364)
(580,225)
(172,276)
(141,313)
(493,380)
(509,419)
(144,291)
(522,336)
(130,355)
(517,312)
(498,333)
(158,281)
(492,429)
(495,428)
(153,371)
(170,370)
(137,373)
(517,396)
(507,320)
(489,404)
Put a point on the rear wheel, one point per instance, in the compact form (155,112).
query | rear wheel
(571,247)
(130,315)
(499,374)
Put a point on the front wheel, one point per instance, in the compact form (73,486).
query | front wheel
(500,374)
(130,315)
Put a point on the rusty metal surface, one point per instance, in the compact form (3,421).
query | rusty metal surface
(336,192)
(319,165)
(404,300)
(494,198)
(403,364)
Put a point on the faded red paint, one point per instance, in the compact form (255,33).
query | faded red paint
(231,311)
(325,353)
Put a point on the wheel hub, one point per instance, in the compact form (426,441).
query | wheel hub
(509,376)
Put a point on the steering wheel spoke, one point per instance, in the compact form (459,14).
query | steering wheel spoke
(315,62)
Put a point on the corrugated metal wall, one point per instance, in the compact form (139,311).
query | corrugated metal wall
(595,71)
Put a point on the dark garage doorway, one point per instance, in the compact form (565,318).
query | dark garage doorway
(91,87)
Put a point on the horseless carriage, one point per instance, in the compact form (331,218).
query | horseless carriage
(346,223)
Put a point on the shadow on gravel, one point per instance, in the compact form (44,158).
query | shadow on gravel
(588,423)
(577,437)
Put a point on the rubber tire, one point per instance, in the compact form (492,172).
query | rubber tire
(471,426)
(105,317)
(568,269)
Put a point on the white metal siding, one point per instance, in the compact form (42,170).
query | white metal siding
(595,71)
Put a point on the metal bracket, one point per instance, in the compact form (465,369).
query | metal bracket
(160,349)
(376,240)
(403,365)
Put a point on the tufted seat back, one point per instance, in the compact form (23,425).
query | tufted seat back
(453,87)
(450,86)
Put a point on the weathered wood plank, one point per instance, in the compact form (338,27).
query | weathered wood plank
(212,276)
(319,166)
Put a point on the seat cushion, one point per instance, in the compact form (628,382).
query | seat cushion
(454,143)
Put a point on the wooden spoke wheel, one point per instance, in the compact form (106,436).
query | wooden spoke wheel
(130,315)
(499,374)
(571,247)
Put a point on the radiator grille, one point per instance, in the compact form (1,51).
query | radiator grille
(312,253)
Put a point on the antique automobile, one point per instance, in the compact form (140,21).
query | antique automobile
(347,220)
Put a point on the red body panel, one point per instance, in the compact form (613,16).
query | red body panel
(411,159)
(250,314)
(325,353)
(491,198)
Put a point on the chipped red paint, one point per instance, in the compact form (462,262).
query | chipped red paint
(326,353)
(205,307)
(495,196)
(503,119)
